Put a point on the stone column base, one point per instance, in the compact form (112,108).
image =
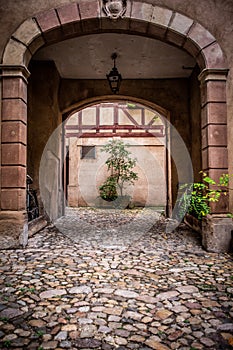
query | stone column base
(13,229)
(217,232)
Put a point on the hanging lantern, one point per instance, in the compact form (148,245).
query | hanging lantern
(114,77)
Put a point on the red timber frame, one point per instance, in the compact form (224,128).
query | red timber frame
(96,130)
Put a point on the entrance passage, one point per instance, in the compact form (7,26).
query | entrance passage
(141,129)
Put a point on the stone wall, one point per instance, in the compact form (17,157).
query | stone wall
(172,94)
(43,118)
(214,15)
(195,127)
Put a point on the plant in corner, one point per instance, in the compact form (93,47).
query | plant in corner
(196,198)
(120,164)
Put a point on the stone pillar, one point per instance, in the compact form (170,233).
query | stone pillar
(13,218)
(214,154)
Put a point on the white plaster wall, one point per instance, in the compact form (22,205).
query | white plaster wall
(86,175)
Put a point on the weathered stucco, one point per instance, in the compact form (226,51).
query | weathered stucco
(87,174)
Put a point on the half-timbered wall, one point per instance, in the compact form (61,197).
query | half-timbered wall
(137,126)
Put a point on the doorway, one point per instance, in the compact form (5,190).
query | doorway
(145,133)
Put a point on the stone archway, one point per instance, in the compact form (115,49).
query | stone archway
(146,105)
(133,124)
(72,20)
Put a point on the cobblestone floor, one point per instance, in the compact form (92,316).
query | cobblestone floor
(102,283)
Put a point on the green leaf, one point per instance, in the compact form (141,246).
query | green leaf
(209,180)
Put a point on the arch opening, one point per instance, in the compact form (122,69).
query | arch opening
(73,20)
(150,144)
(145,132)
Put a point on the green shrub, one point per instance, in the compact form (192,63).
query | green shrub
(196,198)
(120,165)
(108,191)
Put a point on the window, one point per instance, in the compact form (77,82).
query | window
(88,152)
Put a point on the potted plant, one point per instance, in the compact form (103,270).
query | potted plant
(120,164)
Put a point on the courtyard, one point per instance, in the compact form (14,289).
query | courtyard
(114,279)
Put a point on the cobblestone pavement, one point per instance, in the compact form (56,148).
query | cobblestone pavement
(100,287)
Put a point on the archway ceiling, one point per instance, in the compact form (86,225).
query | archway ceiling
(89,57)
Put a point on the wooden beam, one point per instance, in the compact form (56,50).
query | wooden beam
(143,116)
(129,116)
(115,127)
(80,115)
(97,117)
(115,114)
(111,134)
